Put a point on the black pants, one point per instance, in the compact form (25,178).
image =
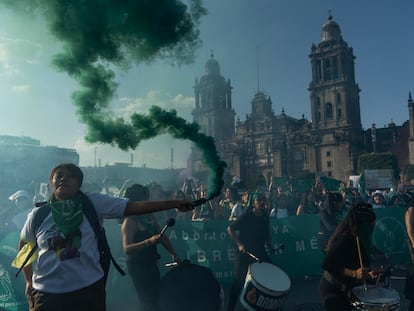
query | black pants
(241,266)
(91,298)
(334,298)
(409,288)
(146,278)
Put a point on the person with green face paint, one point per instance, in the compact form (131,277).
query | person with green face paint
(349,246)
(67,274)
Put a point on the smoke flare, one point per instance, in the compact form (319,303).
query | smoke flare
(96,33)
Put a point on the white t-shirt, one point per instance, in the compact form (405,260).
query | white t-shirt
(51,274)
(279,212)
(237,211)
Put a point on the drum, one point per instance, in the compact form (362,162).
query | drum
(373,298)
(189,287)
(265,288)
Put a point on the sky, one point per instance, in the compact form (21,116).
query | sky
(260,45)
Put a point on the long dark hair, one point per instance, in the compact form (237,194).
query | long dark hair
(331,199)
(137,192)
(357,214)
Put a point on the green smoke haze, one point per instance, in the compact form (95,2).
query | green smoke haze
(97,34)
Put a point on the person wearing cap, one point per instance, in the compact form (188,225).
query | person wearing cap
(22,204)
(66,274)
(140,236)
(378,200)
(251,234)
(13,218)
(347,260)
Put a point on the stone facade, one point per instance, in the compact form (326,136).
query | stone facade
(25,163)
(268,145)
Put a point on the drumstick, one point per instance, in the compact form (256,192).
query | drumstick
(360,260)
(359,252)
(253,256)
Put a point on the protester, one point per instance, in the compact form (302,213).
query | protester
(280,207)
(329,217)
(140,236)
(378,200)
(240,207)
(67,274)
(223,210)
(203,211)
(13,218)
(347,260)
(251,233)
(409,226)
(307,204)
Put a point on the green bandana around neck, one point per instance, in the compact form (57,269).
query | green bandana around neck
(67,214)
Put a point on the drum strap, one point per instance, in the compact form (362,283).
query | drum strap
(334,281)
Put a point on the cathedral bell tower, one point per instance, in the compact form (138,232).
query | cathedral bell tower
(214,113)
(336,133)
(213,108)
(333,92)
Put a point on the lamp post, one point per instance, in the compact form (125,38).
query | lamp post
(374,137)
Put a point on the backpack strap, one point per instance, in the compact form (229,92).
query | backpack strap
(103,246)
(90,213)
(39,216)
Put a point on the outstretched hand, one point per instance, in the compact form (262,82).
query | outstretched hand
(184,205)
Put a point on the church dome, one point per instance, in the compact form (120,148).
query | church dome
(212,67)
(331,30)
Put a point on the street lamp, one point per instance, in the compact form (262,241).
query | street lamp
(373,137)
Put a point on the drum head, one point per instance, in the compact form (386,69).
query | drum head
(270,276)
(189,287)
(376,295)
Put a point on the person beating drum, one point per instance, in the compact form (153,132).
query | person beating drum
(347,258)
(250,232)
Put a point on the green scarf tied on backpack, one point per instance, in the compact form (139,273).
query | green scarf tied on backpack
(67,214)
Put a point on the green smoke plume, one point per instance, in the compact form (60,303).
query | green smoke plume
(99,33)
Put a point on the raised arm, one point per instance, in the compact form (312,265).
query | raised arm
(409,224)
(145,207)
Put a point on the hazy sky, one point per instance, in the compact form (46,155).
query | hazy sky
(258,43)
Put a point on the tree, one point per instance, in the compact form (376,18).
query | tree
(384,160)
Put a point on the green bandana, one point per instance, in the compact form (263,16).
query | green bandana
(67,214)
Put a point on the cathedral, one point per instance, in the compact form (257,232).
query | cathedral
(267,145)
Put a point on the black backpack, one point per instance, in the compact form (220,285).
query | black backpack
(90,213)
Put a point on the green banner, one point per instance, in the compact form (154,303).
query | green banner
(208,244)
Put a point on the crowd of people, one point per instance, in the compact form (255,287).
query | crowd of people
(68,273)
(284,200)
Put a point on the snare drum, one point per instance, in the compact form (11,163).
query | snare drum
(265,288)
(373,298)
